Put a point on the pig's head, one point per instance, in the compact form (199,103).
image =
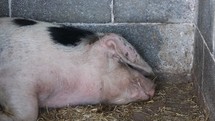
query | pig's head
(124,76)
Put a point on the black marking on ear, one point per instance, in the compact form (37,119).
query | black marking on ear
(125,44)
(130,48)
(70,36)
(126,54)
(24,22)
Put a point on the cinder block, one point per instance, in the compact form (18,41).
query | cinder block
(209,83)
(206,21)
(168,48)
(4,8)
(198,63)
(204,50)
(154,10)
(88,11)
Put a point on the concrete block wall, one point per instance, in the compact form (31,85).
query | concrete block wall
(204,56)
(4,8)
(162,31)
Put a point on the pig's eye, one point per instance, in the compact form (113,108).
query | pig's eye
(123,63)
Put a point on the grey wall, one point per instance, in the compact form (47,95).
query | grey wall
(101,11)
(162,31)
(204,61)
(4,8)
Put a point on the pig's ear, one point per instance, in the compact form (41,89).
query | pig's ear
(126,53)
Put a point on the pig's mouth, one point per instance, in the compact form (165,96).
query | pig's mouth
(145,90)
(136,96)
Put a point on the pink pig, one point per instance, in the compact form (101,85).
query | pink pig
(47,65)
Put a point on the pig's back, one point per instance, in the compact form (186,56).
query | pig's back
(20,41)
(28,45)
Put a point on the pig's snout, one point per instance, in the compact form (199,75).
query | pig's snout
(146,88)
(149,87)
(150,93)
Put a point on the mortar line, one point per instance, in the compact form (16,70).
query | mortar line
(114,24)
(213,36)
(203,63)
(9,7)
(112,11)
(204,41)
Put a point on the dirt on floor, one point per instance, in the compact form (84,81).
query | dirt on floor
(172,102)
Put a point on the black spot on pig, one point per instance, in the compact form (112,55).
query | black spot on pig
(125,44)
(130,48)
(70,36)
(24,22)
(126,54)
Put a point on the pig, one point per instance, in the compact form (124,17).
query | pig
(49,65)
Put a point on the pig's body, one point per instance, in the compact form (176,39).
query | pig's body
(39,67)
